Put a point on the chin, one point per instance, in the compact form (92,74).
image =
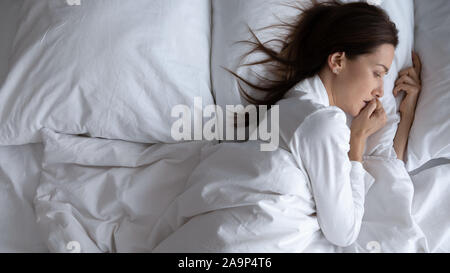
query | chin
(350,112)
(354,113)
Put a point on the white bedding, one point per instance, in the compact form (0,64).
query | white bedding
(109,68)
(107,194)
(198,197)
(267,207)
(430,133)
(19,177)
(8,26)
(388,219)
(118,196)
(19,165)
(431,205)
(240,199)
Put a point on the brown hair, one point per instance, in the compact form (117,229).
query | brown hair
(321,29)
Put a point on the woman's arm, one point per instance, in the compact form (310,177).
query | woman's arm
(409,82)
(401,137)
(338,184)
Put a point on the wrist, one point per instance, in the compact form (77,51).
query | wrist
(360,136)
(357,146)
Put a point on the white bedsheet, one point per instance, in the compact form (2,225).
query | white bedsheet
(19,176)
(432,206)
(388,223)
(106,195)
(19,165)
(266,206)
(8,26)
(240,199)
(113,196)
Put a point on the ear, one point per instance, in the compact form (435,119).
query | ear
(336,62)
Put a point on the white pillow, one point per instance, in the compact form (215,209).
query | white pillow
(430,133)
(108,68)
(230,19)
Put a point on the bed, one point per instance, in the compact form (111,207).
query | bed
(88,162)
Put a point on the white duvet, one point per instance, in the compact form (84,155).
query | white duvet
(105,194)
(115,196)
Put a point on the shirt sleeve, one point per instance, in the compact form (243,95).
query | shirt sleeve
(339,185)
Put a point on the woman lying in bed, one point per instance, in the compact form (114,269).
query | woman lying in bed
(331,64)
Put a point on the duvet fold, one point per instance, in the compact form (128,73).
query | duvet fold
(116,196)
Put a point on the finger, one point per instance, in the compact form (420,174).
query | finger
(404,72)
(379,105)
(417,63)
(406,79)
(410,71)
(409,89)
(379,114)
(371,108)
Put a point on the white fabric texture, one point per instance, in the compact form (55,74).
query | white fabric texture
(108,68)
(240,199)
(8,25)
(107,194)
(431,203)
(389,225)
(430,133)
(20,169)
(19,165)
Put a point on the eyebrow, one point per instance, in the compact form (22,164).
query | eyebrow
(387,69)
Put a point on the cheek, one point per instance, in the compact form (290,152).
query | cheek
(356,77)
(358,87)
(364,82)
(355,85)
(358,91)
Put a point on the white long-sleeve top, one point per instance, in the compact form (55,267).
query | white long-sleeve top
(318,136)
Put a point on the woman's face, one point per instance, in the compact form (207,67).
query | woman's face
(361,80)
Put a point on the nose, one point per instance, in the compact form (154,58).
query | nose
(379,92)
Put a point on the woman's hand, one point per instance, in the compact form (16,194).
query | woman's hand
(410,82)
(371,119)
